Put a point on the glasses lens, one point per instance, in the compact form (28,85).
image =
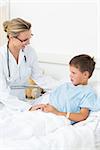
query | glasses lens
(25,39)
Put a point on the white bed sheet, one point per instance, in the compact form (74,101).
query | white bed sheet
(93,118)
(97,133)
(17,132)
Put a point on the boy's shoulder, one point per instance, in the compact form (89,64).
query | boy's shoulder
(87,90)
(69,85)
(63,85)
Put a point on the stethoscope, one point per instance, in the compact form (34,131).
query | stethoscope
(25,59)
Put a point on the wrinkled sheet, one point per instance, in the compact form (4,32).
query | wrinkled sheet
(38,130)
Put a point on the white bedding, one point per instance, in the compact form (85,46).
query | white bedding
(45,131)
(97,133)
(38,130)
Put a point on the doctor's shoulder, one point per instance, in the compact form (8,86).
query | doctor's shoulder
(0,56)
(3,50)
(1,60)
(3,54)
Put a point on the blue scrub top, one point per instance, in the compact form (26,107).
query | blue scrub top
(70,98)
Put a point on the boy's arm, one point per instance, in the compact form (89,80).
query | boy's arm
(82,115)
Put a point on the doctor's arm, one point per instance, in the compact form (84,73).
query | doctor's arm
(6,99)
(44,81)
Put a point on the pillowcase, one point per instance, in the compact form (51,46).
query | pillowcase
(96,86)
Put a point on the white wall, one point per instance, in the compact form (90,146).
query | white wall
(61,72)
(4,15)
(62,29)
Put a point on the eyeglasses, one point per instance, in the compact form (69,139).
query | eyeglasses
(23,40)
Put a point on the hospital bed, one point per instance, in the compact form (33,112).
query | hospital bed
(17,131)
(97,135)
(96,86)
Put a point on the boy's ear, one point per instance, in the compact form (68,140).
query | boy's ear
(86,74)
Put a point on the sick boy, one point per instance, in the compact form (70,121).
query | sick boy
(73,100)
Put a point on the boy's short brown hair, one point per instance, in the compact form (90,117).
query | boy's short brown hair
(84,63)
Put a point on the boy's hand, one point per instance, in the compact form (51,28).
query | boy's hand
(36,107)
(45,108)
(50,108)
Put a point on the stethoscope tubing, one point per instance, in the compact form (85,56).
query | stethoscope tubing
(9,74)
(8,61)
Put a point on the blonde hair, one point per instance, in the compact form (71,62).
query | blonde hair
(15,26)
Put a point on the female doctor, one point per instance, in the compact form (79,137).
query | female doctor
(18,61)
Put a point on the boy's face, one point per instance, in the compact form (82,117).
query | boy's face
(77,77)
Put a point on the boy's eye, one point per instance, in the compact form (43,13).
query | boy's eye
(73,72)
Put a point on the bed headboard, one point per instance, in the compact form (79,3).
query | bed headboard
(57,66)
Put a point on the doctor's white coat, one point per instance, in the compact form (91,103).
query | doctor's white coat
(19,73)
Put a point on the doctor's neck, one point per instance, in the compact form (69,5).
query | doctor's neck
(14,50)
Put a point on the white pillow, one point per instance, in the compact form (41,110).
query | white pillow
(96,87)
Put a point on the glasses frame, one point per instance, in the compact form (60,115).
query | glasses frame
(22,41)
